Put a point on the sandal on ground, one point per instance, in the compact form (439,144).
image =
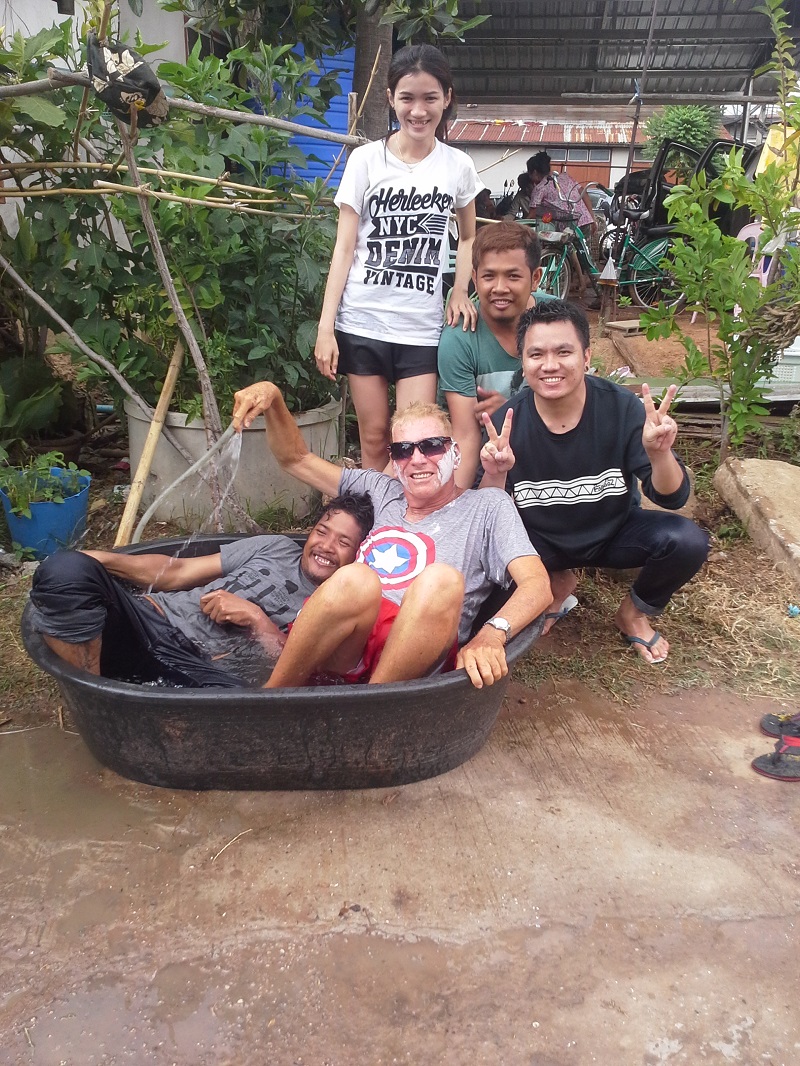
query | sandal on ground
(563,611)
(633,641)
(783,764)
(780,725)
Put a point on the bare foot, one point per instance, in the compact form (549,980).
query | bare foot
(631,622)
(562,584)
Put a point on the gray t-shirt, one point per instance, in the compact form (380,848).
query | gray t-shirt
(479,534)
(266,571)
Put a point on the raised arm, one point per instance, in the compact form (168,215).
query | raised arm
(658,436)
(284,438)
(496,456)
(467,434)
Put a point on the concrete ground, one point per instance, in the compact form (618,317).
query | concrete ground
(600,884)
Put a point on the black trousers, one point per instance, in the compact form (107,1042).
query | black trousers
(669,548)
(76,600)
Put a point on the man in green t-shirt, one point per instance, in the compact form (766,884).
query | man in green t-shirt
(479,370)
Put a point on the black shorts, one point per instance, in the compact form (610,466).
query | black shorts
(391,360)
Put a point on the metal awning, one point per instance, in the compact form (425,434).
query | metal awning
(533,51)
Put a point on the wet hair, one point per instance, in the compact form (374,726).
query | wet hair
(553,311)
(357,504)
(507,237)
(419,409)
(425,59)
(539,164)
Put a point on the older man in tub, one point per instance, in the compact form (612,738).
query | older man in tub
(213,621)
(406,607)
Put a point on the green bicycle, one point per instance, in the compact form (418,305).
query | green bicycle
(640,270)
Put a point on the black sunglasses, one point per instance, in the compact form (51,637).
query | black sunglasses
(430,447)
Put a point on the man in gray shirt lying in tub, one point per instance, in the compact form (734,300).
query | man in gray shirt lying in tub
(212,621)
(406,607)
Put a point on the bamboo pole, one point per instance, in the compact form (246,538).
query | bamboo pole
(128,520)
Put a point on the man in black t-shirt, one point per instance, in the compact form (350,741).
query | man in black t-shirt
(573,448)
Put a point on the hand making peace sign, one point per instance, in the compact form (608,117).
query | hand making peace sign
(497,458)
(659,430)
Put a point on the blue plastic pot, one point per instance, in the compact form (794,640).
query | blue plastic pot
(52,525)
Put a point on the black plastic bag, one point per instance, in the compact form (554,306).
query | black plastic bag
(123,80)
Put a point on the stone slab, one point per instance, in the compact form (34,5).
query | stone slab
(765,495)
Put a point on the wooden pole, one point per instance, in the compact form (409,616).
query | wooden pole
(146,461)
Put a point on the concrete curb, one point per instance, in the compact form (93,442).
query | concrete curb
(765,495)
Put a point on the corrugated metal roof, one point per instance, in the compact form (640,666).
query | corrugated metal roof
(533,50)
(499,131)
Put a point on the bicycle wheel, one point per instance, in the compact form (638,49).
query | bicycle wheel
(556,274)
(652,284)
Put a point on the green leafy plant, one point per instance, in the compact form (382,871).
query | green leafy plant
(250,283)
(747,323)
(42,479)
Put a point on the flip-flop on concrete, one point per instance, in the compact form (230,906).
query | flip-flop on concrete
(783,764)
(780,725)
(645,644)
(566,607)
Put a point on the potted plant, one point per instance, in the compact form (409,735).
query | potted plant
(45,501)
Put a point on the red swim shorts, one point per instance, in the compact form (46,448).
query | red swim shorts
(376,641)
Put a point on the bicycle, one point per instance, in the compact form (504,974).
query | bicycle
(638,259)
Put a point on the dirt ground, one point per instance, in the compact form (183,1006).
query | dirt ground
(607,881)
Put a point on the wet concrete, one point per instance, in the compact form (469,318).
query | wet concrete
(600,884)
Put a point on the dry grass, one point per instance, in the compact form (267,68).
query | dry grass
(23,687)
(729,627)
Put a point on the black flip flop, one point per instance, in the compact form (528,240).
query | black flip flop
(645,644)
(783,764)
(779,725)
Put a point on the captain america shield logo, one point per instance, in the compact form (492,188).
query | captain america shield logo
(396,555)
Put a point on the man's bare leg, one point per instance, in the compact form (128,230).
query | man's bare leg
(332,628)
(562,583)
(86,655)
(632,622)
(425,628)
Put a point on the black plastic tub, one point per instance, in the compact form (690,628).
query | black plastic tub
(332,737)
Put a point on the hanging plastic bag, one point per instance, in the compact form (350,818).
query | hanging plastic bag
(123,80)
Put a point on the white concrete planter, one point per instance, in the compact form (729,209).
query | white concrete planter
(259,481)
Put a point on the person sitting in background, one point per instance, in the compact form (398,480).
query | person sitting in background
(235,605)
(484,204)
(561,194)
(573,446)
(559,191)
(520,203)
(479,371)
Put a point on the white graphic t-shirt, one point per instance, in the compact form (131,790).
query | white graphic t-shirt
(394,288)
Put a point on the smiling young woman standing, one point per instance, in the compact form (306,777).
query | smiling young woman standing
(382,313)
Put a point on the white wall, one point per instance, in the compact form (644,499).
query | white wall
(29,16)
(494,169)
(156,27)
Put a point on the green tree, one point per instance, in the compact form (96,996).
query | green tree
(748,324)
(695,125)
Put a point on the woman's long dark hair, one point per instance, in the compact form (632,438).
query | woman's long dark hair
(424,58)
(539,164)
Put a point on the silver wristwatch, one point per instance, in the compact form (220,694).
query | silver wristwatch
(500,623)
